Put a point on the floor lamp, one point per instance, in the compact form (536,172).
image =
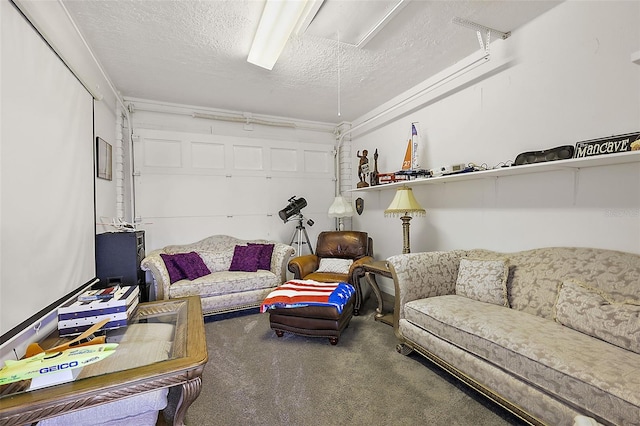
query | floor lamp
(406,206)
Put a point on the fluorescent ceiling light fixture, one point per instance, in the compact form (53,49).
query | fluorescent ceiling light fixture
(357,22)
(279,20)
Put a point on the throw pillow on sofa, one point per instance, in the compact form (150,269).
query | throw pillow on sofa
(264,256)
(182,266)
(245,258)
(585,309)
(483,280)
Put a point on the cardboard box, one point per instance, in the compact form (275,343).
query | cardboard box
(77,316)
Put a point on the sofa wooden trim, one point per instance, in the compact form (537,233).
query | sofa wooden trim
(405,347)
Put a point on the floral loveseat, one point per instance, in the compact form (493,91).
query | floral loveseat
(229,274)
(551,333)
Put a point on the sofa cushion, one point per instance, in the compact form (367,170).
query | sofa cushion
(483,280)
(327,277)
(245,258)
(184,265)
(264,256)
(225,282)
(585,309)
(576,368)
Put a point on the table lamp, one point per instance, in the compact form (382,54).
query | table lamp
(340,209)
(405,204)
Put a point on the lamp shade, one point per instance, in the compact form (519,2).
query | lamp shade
(404,204)
(340,208)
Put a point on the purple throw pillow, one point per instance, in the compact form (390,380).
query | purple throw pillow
(175,273)
(264,258)
(184,265)
(245,258)
(192,265)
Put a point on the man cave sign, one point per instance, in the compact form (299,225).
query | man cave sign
(621,143)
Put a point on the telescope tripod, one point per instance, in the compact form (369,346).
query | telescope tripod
(297,236)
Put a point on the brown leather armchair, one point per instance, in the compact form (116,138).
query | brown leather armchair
(336,244)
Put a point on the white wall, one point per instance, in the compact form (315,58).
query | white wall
(568,77)
(106,191)
(198,177)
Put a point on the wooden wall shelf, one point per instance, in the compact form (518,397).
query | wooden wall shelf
(570,164)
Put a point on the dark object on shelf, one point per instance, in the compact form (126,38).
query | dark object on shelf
(373,178)
(563,152)
(412,174)
(464,170)
(609,145)
(118,257)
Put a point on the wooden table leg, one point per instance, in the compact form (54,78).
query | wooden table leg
(371,279)
(185,395)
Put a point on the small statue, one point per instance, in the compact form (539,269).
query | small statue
(373,177)
(363,168)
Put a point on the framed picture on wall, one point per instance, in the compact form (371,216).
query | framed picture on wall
(103,150)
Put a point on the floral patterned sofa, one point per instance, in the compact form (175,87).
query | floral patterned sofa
(552,334)
(229,274)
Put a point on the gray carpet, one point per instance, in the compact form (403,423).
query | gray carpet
(256,378)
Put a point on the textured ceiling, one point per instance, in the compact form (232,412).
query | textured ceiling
(194,53)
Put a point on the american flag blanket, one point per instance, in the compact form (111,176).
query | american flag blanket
(300,293)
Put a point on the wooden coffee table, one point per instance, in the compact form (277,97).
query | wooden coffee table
(181,370)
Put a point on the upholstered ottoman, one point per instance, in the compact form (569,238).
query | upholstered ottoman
(305,314)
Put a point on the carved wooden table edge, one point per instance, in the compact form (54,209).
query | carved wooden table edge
(184,373)
(190,383)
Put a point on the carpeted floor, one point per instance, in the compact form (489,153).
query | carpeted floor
(256,378)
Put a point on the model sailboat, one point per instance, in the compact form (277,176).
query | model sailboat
(411,156)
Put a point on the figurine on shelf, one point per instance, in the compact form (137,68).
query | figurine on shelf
(373,178)
(363,168)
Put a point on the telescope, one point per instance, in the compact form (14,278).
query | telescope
(293,208)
